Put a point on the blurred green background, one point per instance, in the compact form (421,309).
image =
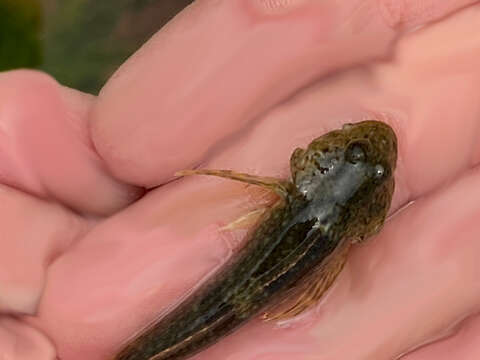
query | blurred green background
(79,42)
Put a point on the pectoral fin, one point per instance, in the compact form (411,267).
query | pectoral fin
(310,290)
(246,221)
(279,186)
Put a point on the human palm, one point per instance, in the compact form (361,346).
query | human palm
(88,256)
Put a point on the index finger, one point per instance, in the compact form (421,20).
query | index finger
(220,64)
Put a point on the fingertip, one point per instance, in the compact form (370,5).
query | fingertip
(19,341)
(29,75)
(45,147)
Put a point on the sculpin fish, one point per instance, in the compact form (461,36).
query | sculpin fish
(339,193)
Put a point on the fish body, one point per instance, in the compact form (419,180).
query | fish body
(340,192)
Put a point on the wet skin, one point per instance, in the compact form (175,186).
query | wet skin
(339,193)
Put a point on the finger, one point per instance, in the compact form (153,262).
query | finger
(20,342)
(33,234)
(123,270)
(462,344)
(45,147)
(220,64)
(433,102)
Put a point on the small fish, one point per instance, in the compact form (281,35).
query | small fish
(339,193)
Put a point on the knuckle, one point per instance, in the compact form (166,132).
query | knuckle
(394,12)
(272,7)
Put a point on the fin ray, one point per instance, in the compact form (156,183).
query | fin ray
(311,289)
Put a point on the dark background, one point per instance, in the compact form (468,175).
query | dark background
(79,42)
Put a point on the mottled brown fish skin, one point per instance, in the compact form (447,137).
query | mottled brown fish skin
(341,189)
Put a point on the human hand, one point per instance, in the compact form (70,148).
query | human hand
(224,98)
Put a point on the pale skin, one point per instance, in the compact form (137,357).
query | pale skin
(85,262)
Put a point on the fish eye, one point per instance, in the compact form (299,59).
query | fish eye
(378,171)
(355,153)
